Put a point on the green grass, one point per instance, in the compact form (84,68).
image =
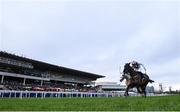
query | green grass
(157,103)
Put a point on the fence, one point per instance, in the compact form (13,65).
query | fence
(42,94)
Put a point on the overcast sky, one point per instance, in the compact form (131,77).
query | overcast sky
(96,36)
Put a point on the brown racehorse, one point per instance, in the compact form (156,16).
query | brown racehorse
(137,79)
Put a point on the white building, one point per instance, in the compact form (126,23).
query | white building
(118,88)
(110,86)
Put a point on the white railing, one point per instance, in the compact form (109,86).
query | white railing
(50,94)
(43,94)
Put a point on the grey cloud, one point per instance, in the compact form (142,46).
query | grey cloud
(97,37)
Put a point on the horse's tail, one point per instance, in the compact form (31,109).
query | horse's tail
(151,81)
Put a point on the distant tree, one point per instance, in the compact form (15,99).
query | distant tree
(160,88)
(170,88)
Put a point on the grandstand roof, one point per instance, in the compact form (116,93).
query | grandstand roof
(46,66)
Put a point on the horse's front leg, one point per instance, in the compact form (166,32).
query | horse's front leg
(126,92)
(139,91)
(121,79)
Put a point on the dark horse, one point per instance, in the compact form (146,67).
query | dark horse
(135,79)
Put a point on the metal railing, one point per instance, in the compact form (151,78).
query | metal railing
(43,94)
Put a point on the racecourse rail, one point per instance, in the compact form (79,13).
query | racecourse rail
(50,94)
(43,94)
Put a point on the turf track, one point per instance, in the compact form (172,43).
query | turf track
(157,103)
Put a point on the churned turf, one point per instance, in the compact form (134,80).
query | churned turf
(157,103)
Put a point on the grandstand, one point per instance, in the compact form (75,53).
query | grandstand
(23,74)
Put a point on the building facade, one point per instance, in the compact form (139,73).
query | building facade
(18,73)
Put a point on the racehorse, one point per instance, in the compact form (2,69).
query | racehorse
(135,79)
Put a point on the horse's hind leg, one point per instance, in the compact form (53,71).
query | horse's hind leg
(144,91)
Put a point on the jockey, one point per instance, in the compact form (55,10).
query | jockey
(137,67)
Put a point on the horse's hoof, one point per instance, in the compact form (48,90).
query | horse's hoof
(126,95)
